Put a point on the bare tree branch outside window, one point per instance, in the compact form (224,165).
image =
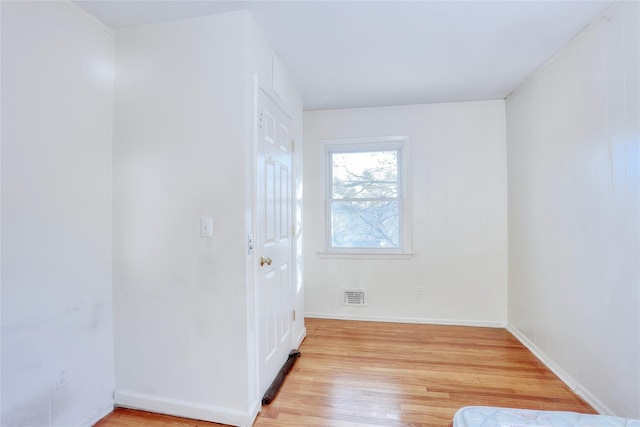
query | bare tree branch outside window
(365,204)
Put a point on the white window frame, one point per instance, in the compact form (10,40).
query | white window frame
(400,143)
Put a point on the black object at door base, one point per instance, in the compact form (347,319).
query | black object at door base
(274,388)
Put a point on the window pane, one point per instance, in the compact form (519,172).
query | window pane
(365,224)
(370,174)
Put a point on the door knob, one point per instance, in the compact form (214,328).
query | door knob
(264,261)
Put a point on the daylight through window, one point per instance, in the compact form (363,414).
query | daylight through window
(365,195)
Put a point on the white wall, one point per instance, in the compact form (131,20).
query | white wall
(459,224)
(56,216)
(178,155)
(573,169)
(183,148)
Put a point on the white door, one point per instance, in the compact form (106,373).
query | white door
(273,252)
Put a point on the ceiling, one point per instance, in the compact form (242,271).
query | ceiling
(345,54)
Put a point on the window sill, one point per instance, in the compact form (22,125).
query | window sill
(365,255)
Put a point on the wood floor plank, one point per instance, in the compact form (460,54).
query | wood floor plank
(389,374)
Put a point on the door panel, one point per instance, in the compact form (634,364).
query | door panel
(270,340)
(271,214)
(285,206)
(273,243)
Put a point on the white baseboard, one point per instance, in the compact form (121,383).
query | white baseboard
(105,410)
(181,408)
(301,337)
(255,410)
(419,320)
(565,377)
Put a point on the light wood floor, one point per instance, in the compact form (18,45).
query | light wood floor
(389,374)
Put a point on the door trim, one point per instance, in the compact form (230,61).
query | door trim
(253,258)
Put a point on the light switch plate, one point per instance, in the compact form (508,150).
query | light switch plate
(206,226)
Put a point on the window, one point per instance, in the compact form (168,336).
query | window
(366,209)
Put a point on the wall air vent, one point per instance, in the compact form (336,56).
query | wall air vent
(355,297)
